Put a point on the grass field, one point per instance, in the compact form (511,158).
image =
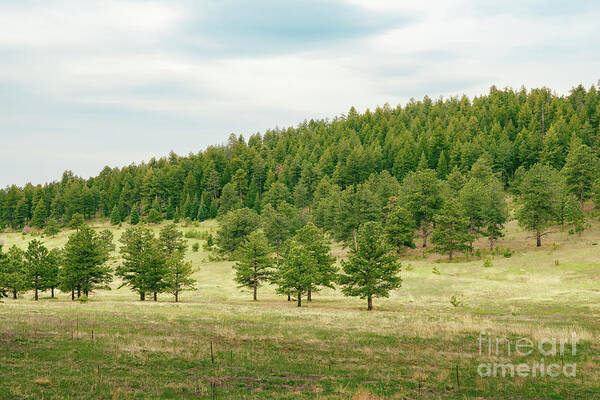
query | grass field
(218,343)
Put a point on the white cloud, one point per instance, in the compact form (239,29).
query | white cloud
(58,24)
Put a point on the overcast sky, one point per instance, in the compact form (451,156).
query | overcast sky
(84,84)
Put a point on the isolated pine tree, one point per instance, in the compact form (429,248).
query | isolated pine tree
(254,267)
(371,269)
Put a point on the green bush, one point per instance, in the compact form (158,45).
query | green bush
(194,234)
(456,301)
(195,247)
(154,216)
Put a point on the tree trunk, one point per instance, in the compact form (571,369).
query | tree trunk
(299,298)
(289,297)
(36,293)
(86,292)
(254,287)
(369,303)
(491,243)
(309,295)
(78,292)
(15,294)
(155,296)
(538,237)
(72,294)
(142,296)
(424,235)
(177,296)
(450,255)
(52,292)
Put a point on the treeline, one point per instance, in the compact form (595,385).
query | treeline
(380,219)
(514,130)
(149,264)
(288,246)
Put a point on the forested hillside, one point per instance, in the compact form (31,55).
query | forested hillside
(360,158)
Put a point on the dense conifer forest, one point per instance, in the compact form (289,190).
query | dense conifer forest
(358,159)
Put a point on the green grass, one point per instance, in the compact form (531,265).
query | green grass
(409,347)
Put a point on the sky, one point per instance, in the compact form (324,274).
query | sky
(84,84)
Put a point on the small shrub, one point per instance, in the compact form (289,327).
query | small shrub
(556,262)
(208,246)
(571,232)
(83,298)
(478,253)
(195,247)
(436,271)
(487,262)
(508,253)
(594,243)
(409,267)
(554,246)
(193,234)
(456,301)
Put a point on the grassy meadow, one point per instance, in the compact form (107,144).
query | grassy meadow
(219,344)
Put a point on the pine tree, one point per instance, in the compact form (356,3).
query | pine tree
(355,206)
(277,194)
(371,270)
(495,211)
(581,170)
(234,228)
(37,266)
(179,275)
(115,215)
(422,197)
(255,265)
(144,267)
(51,228)
(451,231)
(400,229)
(3,274)
(279,225)
(134,216)
(154,216)
(539,201)
(574,215)
(52,278)
(85,261)
(296,274)
(40,214)
(313,241)
(77,221)
(13,272)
